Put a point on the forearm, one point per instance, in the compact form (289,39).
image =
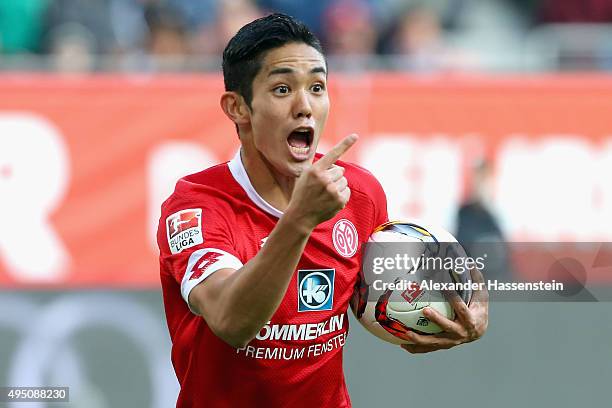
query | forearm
(249,297)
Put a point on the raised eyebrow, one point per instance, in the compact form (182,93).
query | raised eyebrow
(280,71)
(287,70)
(318,70)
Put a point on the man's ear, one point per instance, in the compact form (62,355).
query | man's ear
(235,108)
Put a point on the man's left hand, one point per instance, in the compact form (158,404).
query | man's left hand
(470,323)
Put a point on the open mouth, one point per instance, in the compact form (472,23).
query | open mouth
(300,140)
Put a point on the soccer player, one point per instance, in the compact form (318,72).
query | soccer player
(259,255)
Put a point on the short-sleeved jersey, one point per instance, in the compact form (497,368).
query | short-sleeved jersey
(215,219)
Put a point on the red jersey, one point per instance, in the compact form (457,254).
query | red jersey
(214,220)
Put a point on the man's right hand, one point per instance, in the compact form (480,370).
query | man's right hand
(321,190)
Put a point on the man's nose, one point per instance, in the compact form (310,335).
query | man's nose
(302,106)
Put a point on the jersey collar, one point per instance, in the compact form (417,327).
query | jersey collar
(239,173)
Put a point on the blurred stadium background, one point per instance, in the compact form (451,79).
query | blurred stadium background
(489,117)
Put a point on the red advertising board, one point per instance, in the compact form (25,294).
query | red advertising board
(86,161)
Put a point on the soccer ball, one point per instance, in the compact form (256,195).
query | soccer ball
(389,303)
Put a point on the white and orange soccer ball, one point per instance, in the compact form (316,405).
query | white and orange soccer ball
(389,313)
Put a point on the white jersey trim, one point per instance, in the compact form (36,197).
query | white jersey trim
(240,175)
(222,260)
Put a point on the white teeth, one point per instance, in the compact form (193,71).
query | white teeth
(300,150)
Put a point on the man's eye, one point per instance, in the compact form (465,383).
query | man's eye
(281,90)
(318,88)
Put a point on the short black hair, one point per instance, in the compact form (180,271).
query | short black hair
(244,52)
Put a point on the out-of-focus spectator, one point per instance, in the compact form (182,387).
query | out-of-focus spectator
(200,19)
(477,228)
(20,25)
(196,13)
(129,25)
(349,28)
(167,32)
(232,15)
(73,47)
(415,35)
(92,15)
(76,32)
(309,11)
(419,38)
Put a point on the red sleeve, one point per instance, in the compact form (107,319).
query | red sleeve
(365,181)
(380,203)
(195,242)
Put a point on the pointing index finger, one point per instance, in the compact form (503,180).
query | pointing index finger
(338,150)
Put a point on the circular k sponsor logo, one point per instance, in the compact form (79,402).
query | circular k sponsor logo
(315,290)
(345,238)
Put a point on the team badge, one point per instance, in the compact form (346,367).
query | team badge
(345,238)
(315,289)
(184,229)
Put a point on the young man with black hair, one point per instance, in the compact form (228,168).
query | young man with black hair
(259,255)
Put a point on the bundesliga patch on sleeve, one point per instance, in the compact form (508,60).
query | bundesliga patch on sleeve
(184,229)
